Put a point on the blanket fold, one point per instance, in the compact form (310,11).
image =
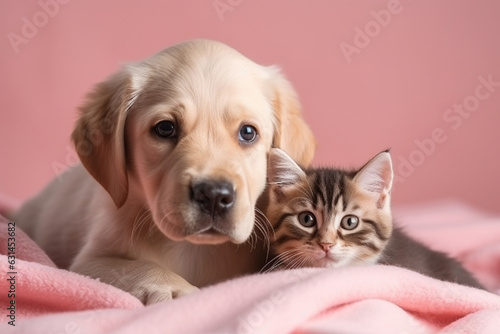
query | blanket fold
(41,288)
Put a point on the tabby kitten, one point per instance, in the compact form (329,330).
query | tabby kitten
(329,217)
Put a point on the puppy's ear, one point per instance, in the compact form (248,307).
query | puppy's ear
(291,133)
(99,134)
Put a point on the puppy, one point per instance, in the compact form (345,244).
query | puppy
(173,152)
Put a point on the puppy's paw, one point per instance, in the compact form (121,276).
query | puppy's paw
(155,293)
(144,280)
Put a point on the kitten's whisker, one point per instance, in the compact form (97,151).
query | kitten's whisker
(279,260)
(272,268)
(266,224)
(261,227)
(261,224)
(294,259)
(295,262)
(304,259)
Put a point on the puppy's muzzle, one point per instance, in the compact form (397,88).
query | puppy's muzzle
(213,197)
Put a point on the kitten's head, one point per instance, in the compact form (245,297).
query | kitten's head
(329,217)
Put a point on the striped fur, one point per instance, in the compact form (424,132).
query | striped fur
(329,195)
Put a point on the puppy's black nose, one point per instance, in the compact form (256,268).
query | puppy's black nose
(213,197)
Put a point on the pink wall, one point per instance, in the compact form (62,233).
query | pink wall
(394,85)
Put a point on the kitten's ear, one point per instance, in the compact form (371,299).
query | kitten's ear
(282,170)
(376,177)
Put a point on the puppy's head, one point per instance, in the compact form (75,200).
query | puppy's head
(187,133)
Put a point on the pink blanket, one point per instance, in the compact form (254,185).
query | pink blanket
(365,299)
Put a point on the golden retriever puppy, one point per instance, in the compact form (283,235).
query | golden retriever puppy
(174,152)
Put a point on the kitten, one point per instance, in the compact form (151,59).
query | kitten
(329,217)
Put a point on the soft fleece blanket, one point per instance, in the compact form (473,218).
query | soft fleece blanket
(365,299)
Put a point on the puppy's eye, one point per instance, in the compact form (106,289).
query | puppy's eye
(349,222)
(165,129)
(307,219)
(247,134)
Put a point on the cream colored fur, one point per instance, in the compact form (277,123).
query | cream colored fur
(125,215)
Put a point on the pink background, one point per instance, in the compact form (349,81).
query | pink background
(393,90)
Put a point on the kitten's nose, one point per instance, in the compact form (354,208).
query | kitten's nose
(213,197)
(326,246)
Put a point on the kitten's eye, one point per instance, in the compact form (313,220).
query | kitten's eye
(247,134)
(307,219)
(349,222)
(165,129)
